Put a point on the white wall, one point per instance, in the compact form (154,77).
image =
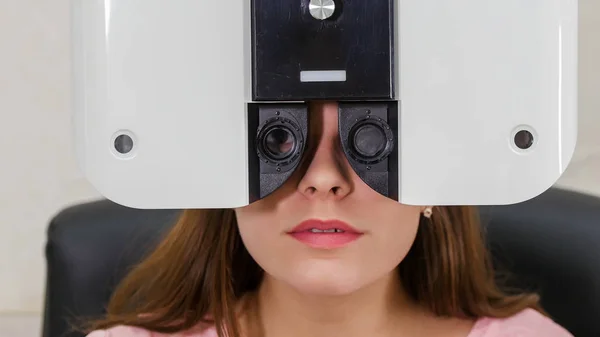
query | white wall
(38,173)
(584,172)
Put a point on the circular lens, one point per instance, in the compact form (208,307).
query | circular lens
(369,140)
(279,142)
(123,144)
(524,139)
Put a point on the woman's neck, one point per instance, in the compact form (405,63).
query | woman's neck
(379,309)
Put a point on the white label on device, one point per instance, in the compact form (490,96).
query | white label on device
(323,76)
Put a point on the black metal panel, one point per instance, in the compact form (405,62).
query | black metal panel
(267,173)
(381,171)
(287,40)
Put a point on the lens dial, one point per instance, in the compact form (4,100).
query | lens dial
(371,140)
(279,141)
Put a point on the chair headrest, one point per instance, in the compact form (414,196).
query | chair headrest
(551,244)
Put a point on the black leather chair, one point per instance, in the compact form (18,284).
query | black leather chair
(551,243)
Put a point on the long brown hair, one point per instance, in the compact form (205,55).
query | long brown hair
(202,269)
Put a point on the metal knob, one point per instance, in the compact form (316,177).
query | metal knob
(321,9)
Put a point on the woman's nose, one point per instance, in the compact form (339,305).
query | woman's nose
(327,175)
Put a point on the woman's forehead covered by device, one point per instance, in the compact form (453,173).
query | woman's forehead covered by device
(438,103)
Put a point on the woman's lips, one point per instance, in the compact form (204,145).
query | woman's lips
(328,234)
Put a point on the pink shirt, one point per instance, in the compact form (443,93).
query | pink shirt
(528,323)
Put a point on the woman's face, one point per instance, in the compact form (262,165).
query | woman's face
(327,189)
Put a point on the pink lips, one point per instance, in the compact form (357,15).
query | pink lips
(325,234)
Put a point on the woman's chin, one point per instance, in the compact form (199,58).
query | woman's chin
(324,281)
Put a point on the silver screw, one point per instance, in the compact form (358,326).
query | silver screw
(321,9)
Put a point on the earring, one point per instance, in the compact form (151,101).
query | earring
(428,212)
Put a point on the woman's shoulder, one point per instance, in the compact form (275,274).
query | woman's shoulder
(128,331)
(527,323)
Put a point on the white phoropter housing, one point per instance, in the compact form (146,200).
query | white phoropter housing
(486,93)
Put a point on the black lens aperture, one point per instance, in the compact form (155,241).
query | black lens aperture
(369,140)
(279,143)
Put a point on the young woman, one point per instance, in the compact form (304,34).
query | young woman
(323,256)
